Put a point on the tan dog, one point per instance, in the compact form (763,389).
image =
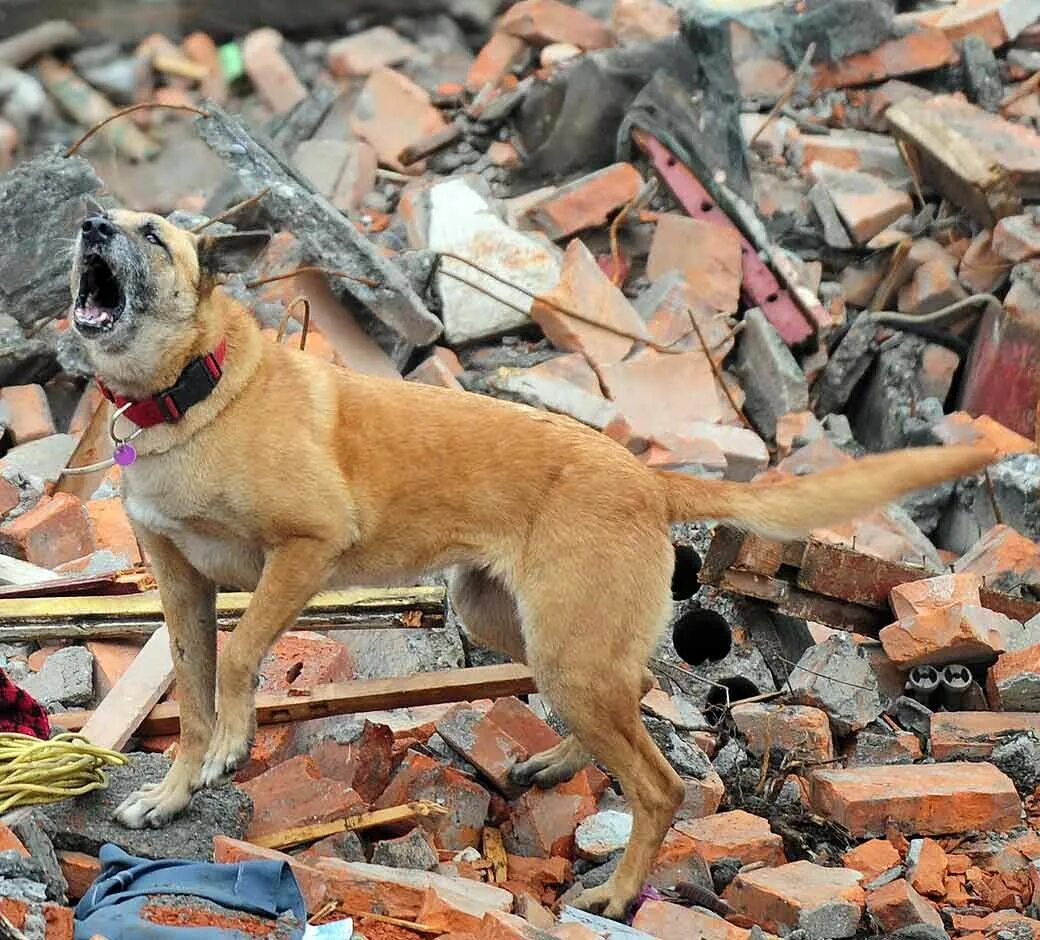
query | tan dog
(291,475)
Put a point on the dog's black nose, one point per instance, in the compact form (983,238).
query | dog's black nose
(97,230)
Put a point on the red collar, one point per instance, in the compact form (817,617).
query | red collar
(199,378)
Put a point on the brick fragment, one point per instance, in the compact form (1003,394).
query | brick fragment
(872,858)
(643,20)
(364,52)
(113,531)
(826,902)
(959,427)
(796,729)
(744,452)
(496,59)
(918,51)
(877,154)
(866,205)
(934,285)
(422,778)
(584,287)
(1017,238)
(542,22)
(200,47)
(587,202)
(56,530)
(973,735)
(708,256)
(483,743)
(667,921)
(111,659)
(982,270)
(30,413)
(1005,557)
(930,799)
(543,822)
(956,633)
(926,867)
(996,21)
(685,454)
(1013,683)
(80,872)
(9,842)
(393,112)
(917,597)
(897,905)
(541,877)
(735,834)
(269,70)
(295,794)
(441,368)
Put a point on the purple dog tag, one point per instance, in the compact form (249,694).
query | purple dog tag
(124,454)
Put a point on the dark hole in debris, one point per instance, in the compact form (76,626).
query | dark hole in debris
(739,689)
(293,672)
(684,576)
(700,636)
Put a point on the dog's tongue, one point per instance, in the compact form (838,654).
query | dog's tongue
(92,315)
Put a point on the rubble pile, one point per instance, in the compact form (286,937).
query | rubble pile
(744,240)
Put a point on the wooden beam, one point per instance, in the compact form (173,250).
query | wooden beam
(347,698)
(140,615)
(121,712)
(304,835)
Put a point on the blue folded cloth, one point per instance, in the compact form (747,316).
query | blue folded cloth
(112,906)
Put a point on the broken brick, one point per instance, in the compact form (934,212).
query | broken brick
(932,287)
(56,530)
(997,22)
(799,730)
(364,763)
(981,269)
(961,428)
(635,21)
(926,867)
(112,658)
(897,905)
(973,735)
(872,858)
(113,531)
(709,257)
(543,822)
(735,834)
(498,57)
(1013,683)
(825,902)
(79,870)
(866,205)
(930,799)
(542,22)
(483,743)
(584,287)
(29,413)
(1005,558)
(269,70)
(364,52)
(423,778)
(1017,238)
(917,597)
(956,633)
(667,921)
(686,454)
(295,794)
(542,877)
(393,112)
(441,368)
(919,51)
(586,202)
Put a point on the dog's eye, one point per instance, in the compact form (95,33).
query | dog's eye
(150,236)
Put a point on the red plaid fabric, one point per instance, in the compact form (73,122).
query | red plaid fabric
(20,713)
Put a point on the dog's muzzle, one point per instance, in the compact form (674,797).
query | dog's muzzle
(100,299)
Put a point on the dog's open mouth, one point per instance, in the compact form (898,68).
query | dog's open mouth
(100,300)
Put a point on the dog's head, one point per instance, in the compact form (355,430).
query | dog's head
(137,281)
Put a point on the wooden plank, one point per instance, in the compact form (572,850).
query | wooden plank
(348,698)
(139,615)
(304,835)
(121,712)
(1017,608)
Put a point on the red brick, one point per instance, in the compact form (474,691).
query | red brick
(926,867)
(295,794)
(504,154)
(542,22)
(483,743)
(708,256)
(269,70)
(1013,683)
(917,597)
(200,47)
(957,633)
(866,205)
(542,877)
(10,496)
(796,729)
(312,882)
(586,202)
(995,21)
(745,453)
(1002,554)
(362,53)
(56,530)
(584,287)
(736,834)
(422,778)
(642,20)
(929,799)
(80,872)
(111,659)
(932,287)
(392,113)
(959,427)
(441,367)
(30,413)
(872,858)
(1017,238)
(897,905)
(919,51)
(667,921)
(573,368)
(9,842)
(113,531)
(1008,923)
(364,764)
(499,56)
(790,896)
(973,735)
(678,452)
(796,425)
(543,822)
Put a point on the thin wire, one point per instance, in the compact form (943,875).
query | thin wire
(820,675)
(122,112)
(227,213)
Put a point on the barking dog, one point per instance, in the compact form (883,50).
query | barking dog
(269,471)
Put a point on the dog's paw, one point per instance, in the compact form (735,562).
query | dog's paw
(603,900)
(228,751)
(152,807)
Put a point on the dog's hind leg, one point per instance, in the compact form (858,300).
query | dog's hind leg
(589,624)
(189,605)
(490,616)
(293,573)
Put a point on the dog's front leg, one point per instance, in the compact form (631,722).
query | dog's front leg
(293,573)
(189,603)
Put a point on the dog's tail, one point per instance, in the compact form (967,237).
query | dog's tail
(788,509)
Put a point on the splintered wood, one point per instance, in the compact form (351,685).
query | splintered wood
(304,835)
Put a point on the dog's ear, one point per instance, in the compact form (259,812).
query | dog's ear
(227,254)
